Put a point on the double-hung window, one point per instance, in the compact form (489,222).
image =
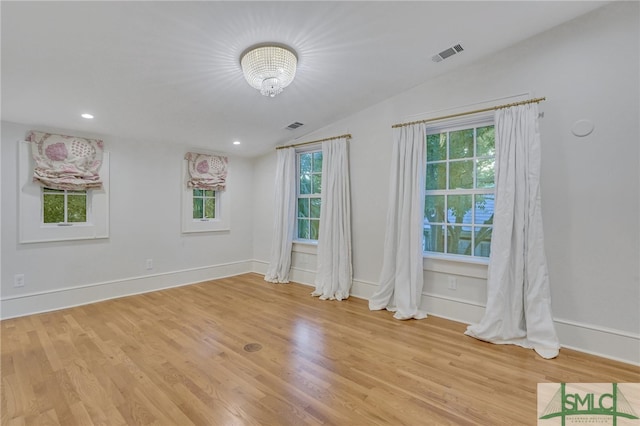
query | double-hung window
(309,188)
(63,207)
(459,189)
(204,204)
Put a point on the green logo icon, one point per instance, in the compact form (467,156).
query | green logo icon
(564,404)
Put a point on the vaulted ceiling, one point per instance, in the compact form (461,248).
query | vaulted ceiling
(170,71)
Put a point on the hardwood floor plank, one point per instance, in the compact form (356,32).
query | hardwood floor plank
(180,357)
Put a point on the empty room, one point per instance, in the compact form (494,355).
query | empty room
(320,213)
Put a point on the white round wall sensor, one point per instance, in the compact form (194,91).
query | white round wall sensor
(582,128)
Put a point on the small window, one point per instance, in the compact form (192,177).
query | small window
(203,210)
(204,204)
(459,190)
(64,207)
(309,189)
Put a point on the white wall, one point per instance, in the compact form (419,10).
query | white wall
(145,223)
(587,69)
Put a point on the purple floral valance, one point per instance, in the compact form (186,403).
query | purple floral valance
(66,162)
(206,171)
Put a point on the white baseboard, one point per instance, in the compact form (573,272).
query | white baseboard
(46,301)
(607,343)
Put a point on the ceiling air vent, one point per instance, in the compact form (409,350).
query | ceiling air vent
(447,52)
(294,126)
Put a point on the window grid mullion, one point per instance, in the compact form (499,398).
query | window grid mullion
(66,206)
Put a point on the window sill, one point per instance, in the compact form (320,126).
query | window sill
(471,267)
(305,246)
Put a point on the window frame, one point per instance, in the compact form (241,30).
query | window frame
(452,125)
(204,197)
(66,193)
(310,149)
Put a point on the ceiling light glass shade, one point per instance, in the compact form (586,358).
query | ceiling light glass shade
(269,68)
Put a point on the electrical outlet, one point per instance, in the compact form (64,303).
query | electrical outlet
(453,283)
(149,264)
(18,280)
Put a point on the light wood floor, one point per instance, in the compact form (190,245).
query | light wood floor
(177,357)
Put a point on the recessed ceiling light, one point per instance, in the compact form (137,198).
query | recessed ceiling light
(87,116)
(236,142)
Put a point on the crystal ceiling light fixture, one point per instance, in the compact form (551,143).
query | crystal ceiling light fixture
(269,67)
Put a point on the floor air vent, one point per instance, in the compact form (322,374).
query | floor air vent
(294,126)
(447,52)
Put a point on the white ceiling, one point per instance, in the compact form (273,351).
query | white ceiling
(170,72)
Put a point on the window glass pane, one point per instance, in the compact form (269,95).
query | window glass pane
(53,206)
(317,184)
(437,147)
(303,207)
(485,141)
(436,176)
(198,211)
(305,184)
(459,239)
(197,192)
(76,207)
(315,226)
(434,208)
(461,174)
(461,144)
(459,208)
(317,162)
(210,208)
(484,209)
(483,241)
(434,238)
(305,163)
(303,229)
(315,207)
(485,177)
(209,193)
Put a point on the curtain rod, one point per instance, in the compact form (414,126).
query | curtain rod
(346,136)
(493,108)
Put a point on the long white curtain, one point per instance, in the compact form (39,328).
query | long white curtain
(334,275)
(401,279)
(518,299)
(285,217)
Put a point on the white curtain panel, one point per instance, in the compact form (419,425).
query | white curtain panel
(401,279)
(285,217)
(334,275)
(518,299)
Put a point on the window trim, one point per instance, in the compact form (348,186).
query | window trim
(452,125)
(31,228)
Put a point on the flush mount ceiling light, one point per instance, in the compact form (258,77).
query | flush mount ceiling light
(269,67)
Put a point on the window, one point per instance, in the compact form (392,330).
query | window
(204,210)
(459,190)
(63,206)
(204,204)
(42,210)
(309,189)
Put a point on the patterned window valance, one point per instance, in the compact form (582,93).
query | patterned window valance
(206,171)
(66,162)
